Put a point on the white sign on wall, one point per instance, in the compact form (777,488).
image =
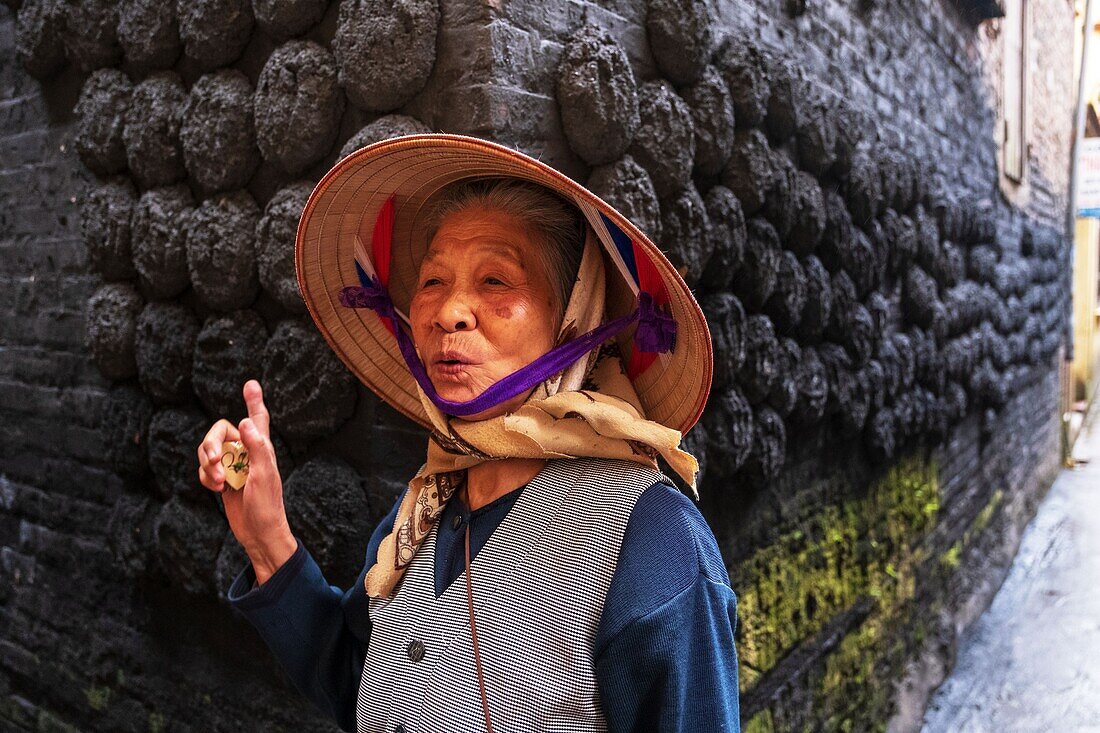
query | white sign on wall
(1088,179)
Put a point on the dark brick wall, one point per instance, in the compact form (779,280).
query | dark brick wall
(855,574)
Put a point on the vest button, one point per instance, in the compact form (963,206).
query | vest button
(457,521)
(416,650)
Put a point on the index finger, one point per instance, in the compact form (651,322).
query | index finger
(219,433)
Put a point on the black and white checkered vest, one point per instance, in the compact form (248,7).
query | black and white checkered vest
(539,586)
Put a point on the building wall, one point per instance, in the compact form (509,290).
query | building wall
(1085,269)
(1086,241)
(861,536)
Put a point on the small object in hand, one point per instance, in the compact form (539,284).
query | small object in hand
(235,462)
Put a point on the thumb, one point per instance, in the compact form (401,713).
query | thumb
(257,410)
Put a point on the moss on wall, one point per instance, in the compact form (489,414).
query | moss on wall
(865,546)
(853,686)
(949,559)
(97,697)
(760,723)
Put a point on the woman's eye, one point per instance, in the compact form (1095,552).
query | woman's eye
(430,281)
(493,281)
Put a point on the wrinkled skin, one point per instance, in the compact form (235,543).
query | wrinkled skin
(484,306)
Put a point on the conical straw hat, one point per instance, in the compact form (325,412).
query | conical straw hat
(346,202)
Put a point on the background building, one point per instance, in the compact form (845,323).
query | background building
(1080,382)
(869,197)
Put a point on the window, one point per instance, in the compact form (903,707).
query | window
(1014,93)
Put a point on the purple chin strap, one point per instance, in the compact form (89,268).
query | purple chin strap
(656,332)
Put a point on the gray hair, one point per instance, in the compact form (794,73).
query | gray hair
(551,220)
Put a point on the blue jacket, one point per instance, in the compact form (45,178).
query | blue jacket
(665,653)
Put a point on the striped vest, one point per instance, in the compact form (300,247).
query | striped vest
(539,586)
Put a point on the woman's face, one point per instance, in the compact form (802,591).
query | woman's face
(483,306)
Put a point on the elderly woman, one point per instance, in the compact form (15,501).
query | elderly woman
(539,572)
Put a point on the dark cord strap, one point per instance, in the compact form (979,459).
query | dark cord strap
(473,631)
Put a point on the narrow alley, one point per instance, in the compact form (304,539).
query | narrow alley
(1029,663)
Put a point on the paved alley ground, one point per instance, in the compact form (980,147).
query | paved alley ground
(1032,661)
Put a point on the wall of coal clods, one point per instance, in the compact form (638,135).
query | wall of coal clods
(888,315)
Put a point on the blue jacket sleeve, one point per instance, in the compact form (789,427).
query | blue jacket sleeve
(666,659)
(317,632)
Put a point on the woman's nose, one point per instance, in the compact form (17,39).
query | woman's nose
(456,314)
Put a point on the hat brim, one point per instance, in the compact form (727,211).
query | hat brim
(346,201)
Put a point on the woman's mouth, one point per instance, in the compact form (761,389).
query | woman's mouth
(451,366)
(452,363)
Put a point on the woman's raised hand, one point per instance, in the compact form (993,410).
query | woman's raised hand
(256,514)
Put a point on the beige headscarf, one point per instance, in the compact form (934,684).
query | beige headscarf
(590,409)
